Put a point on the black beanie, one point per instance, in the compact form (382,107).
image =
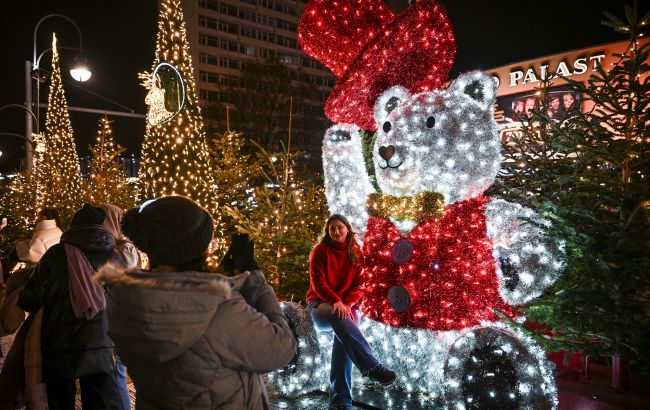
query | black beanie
(171,230)
(88,214)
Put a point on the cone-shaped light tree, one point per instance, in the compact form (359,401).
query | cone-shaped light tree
(108,183)
(175,156)
(55,180)
(59,174)
(20,201)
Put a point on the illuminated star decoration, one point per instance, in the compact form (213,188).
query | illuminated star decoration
(369,48)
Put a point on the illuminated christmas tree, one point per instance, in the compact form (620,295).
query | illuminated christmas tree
(175,156)
(234,174)
(21,200)
(55,180)
(284,217)
(107,180)
(58,174)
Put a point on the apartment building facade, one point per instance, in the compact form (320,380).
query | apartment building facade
(224,35)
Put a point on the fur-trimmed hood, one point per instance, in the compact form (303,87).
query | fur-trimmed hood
(162,314)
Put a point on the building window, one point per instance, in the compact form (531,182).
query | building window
(319,66)
(266,54)
(228,27)
(287,42)
(230,63)
(288,59)
(264,20)
(286,25)
(248,50)
(228,10)
(208,77)
(219,61)
(265,3)
(247,15)
(207,22)
(256,18)
(209,95)
(286,8)
(209,4)
(229,80)
(257,34)
(208,40)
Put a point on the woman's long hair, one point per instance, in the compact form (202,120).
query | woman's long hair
(354,252)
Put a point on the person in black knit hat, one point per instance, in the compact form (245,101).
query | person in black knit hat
(190,338)
(74,335)
(172,231)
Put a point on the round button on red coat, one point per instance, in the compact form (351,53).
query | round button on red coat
(402,251)
(399,298)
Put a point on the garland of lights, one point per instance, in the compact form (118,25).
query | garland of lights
(423,205)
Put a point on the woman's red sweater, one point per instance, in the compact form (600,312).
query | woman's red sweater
(332,276)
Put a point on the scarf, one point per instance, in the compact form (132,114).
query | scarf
(112,220)
(86,296)
(422,206)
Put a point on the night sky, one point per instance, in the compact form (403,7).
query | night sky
(119,40)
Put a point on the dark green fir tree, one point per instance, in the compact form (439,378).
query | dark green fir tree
(589,173)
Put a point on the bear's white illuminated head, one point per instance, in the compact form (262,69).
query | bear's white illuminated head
(443,141)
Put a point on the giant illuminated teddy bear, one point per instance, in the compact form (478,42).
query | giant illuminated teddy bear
(440,257)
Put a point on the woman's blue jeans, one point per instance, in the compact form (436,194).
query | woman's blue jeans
(120,377)
(349,347)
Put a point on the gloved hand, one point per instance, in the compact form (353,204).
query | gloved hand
(243,253)
(240,256)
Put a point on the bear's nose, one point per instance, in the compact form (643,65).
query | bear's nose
(386,152)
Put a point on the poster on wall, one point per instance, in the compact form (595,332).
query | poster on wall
(514,109)
(563,102)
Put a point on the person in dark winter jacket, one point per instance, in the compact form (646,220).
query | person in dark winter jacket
(193,339)
(74,333)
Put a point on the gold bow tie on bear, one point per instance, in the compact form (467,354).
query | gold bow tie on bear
(420,207)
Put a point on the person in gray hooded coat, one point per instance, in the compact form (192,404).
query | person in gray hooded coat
(192,339)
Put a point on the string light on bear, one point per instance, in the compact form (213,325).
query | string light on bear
(422,358)
(366,45)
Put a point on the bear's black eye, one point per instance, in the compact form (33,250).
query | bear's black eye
(387,126)
(431,122)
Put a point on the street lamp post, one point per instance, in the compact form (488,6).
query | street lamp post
(80,73)
(29,144)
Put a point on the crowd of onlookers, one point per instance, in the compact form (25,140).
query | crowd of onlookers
(85,310)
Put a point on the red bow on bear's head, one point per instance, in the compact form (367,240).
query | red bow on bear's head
(370,48)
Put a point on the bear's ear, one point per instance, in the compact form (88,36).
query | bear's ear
(388,101)
(477,86)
